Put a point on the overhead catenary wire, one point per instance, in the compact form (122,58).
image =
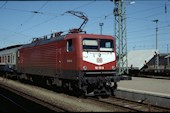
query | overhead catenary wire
(103,17)
(34,13)
(7,30)
(62,14)
(26,21)
(45,21)
(144,10)
(162,47)
(93,20)
(147,36)
(38,12)
(17,10)
(3,4)
(144,29)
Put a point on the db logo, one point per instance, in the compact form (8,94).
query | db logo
(99,60)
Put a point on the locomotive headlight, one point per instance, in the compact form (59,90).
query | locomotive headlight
(84,67)
(113,68)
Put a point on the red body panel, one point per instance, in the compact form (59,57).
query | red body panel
(53,59)
(37,59)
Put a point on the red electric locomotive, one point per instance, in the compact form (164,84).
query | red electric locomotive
(86,62)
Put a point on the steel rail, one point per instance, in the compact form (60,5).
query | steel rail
(22,108)
(36,100)
(133,105)
(126,109)
(146,103)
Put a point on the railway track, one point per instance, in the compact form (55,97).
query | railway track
(129,106)
(20,105)
(52,99)
(6,103)
(109,104)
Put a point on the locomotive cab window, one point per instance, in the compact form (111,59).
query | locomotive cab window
(69,45)
(94,44)
(90,44)
(106,45)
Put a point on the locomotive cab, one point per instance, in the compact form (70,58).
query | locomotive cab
(94,61)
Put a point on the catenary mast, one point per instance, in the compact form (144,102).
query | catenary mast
(121,37)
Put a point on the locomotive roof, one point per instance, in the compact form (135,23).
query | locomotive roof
(40,41)
(44,41)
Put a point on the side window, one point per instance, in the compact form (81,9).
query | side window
(8,59)
(69,45)
(0,59)
(5,58)
(13,58)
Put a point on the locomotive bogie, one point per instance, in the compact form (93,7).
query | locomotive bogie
(97,85)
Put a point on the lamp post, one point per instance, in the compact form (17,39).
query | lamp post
(101,25)
(167,48)
(157,56)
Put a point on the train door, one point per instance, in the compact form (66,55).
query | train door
(70,59)
(66,60)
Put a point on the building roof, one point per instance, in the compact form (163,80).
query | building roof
(168,56)
(10,47)
(137,58)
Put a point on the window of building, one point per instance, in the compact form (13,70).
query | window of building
(5,59)
(13,58)
(8,59)
(2,59)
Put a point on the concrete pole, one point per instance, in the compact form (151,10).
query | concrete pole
(157,56)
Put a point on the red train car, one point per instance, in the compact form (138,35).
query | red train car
(76,61)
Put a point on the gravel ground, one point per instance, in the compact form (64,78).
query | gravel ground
(64,101)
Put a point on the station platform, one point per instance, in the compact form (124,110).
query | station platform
(146,90)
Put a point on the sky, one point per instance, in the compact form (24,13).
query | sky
(21,21)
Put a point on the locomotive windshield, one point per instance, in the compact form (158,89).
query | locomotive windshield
(106,45)
(90,44)
(97,44)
